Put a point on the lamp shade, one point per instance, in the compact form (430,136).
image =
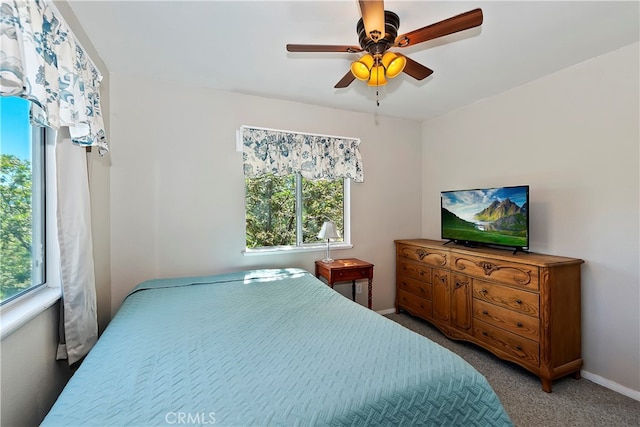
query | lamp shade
(377,76)
(393,63)
(328,231)
(361,68)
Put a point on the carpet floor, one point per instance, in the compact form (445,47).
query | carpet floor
(572,402)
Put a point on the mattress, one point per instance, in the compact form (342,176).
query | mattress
(267,347)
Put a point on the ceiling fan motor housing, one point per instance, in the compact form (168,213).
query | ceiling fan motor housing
(391,25)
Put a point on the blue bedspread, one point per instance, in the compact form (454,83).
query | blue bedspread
(267,347)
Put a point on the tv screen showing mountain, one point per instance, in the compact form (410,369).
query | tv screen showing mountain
(494,216)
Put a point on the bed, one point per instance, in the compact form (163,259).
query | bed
(266,347)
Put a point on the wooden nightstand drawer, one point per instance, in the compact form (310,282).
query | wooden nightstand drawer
(415,287)
(523,349)
(521,301)
(433,257)
(508,273)
(415,270)
(414,304)
(353,274)
(518,323)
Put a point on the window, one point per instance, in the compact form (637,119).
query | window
(22,201)
(286,212)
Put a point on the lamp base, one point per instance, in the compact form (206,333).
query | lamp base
(327,260)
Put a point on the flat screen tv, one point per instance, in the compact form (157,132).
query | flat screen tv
(487,216)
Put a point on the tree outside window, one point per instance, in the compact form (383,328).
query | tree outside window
(21,201)
(289,211)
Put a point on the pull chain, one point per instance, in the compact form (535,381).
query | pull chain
(377,86)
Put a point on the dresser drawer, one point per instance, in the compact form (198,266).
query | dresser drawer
(415,287)
(429,256)
(521,348)
(414,270)
(509,273)
(414,304)
(520,301)
(512,321)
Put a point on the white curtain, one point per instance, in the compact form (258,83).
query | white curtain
(79,326)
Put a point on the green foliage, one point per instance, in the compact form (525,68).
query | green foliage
(271,209)
(15,225)
(321,201)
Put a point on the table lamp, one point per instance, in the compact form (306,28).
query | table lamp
(328,231)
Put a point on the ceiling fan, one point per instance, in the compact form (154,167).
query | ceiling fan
(377,32)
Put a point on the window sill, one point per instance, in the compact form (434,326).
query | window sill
(16,315)
(279,250)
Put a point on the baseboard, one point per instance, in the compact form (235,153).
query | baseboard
(634,394)
(389,311)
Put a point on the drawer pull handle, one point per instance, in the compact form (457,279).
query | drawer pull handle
(485,312)
(484,291)
(485,333)
(421,290)
(518,347)
(519,324)
(518,301)
(422,273)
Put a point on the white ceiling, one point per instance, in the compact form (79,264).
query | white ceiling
(239,46)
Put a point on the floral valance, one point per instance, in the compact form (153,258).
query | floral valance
(318,157)
(40,60)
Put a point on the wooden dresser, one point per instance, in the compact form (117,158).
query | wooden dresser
(524,308)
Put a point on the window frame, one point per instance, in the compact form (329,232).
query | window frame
(19,310)
(309,247)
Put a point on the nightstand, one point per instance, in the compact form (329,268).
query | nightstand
(346,270)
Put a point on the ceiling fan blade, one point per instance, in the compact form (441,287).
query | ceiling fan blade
(345,81)
(416,70)
(372,12)
(322,48)
(457,23)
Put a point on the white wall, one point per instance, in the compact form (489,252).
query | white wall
(177,186)
(31,376)
(573,136)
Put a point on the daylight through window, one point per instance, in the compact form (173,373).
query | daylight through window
(288,211)
(22,195)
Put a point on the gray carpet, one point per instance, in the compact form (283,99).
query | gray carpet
(572,402)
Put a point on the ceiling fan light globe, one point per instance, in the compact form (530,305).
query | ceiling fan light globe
(394,64)
(359,70)
(367,60)
(377,76)
(362,67)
